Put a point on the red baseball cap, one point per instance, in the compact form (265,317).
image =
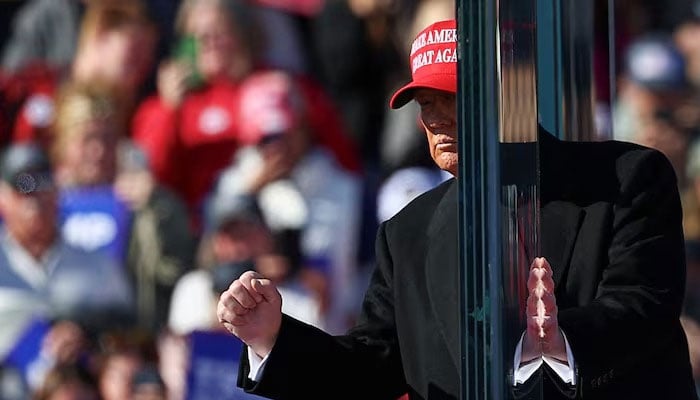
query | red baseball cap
(433,62)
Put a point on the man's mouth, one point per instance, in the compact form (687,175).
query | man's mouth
(446,145)
(446,139)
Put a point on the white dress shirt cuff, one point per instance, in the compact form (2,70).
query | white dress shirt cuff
(564,371)
(257,365)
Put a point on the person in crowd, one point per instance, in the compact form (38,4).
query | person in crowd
(119,359)
(685,35)
(188,129)
(690,195)
(147,384)
(65,343)
(115,46)
(236,238)
(299,185)
(41,275)
(690,317)
(691,304)
(43,31)
(656,102)
(692,331)
(602,315)
(161,242)
(110,201)
(68,382)
(357,52)
(403,185)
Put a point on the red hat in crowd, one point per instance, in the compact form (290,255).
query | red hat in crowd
(433,62)
(269,106)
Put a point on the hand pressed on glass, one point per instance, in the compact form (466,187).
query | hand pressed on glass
(542,336)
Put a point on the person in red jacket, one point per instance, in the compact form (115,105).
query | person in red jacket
(189,129)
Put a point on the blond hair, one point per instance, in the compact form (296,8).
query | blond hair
(81,102)
(107,15)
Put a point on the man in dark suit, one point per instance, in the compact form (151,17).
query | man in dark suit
(604,298)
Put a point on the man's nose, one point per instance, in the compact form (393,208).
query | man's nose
(436,120)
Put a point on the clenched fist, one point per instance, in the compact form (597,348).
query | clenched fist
(542,336)
(251,309)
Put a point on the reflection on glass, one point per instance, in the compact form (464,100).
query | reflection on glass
(520,245)
(510,83)
(519,195)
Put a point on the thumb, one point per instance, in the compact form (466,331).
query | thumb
(266,288)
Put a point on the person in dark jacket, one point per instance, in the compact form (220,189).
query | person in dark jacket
(604,295)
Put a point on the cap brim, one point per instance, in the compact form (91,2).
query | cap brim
(405,94)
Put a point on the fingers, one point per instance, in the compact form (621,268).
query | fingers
(243,296)
(543,328)
(246,281)
(238,299)
(172,81)
(547,300)
(258,287)
(264,288)
(541,267)
(540,274)
(228,317)
(541,306)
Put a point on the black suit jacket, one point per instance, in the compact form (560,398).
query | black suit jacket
(611,229)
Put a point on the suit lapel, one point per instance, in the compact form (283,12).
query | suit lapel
(560,219)
(442,270)
(560,224)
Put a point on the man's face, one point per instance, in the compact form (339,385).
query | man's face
(91,154)
(240,240)
(438,114)
(29,217)
(218,46)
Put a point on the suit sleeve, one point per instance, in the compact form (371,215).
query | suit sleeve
(364,364)
(633,321)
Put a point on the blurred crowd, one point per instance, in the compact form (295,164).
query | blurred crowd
(153,150)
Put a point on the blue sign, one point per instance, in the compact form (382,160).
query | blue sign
(213,369)
(96,219)
(27,348)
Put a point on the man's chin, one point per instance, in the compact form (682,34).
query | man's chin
(448,162)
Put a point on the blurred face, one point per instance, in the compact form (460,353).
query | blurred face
(122,56)
(29,218)
(219,51)
(285,150)
(275,267)
(115,381)
(90,155)
(128,55)
(240,241)
(438,114)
